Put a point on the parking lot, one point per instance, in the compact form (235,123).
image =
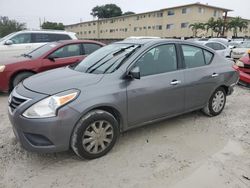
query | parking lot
(187,151)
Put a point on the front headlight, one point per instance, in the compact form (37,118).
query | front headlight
(239,63)
(48,107)
(2,67)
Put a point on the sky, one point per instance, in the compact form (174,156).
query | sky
(68,12)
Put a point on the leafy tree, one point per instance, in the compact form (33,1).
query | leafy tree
(219,24)
(128,13)
(8,26)
(210,25)
(237,24)
(106,11)
(52,25)
(195,27)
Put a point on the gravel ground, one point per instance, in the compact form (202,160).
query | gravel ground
(187,151)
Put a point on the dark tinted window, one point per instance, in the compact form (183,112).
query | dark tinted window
(193,56)
(67,51)
(21,38)
(44,37)
(158,60)
(89,48)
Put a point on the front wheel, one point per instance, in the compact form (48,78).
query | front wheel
(95,134)
(20,77)
(216,103)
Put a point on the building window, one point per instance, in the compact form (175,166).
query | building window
(170,12)
(137,18)
(185,10)
(144,27)
(201,10)
(85,32)
(170,26)
(94,23)
(158,27)
(153,27)
(184,25)
(94,31)
(215,13)
(149,15)
(126,29)
(159,14)
(89,24)
(80,32)
(135,28)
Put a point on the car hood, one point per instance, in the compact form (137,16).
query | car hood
(12,60)
(61,79)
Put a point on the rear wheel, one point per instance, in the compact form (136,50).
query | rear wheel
(216,103)
(20,77)
(95,134)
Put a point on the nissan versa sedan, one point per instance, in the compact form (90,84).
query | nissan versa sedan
(118,87)
(49,56)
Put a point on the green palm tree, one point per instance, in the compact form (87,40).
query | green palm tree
(210,25)
(237,24)
(195,27)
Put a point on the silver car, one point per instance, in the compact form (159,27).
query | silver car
(119,87)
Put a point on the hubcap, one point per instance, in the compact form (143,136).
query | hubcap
(97,137)
(218,101)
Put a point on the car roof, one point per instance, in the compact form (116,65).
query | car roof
(146,41)
(46,31)
(78,41)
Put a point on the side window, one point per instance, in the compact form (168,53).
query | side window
(90,47)
(219,46)
(193,56)
(208,56)
(158,60)
(40,38)
(210,45)
(60,37)
(67,51)
(21,38)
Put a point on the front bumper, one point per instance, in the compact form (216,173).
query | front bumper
(42,135)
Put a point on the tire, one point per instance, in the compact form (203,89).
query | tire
(216,103)
(95,134)
(20,77)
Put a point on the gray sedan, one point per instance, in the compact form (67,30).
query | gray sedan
(119,87)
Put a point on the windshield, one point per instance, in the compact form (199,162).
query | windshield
(245,45)
(7,36)
(42,50)
(107,59)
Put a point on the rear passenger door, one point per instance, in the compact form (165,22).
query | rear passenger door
(200,76)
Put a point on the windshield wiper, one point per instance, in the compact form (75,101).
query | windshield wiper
(126,56)
(123,49)
(26,55)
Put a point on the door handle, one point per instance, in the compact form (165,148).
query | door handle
(175,82)
(215,75)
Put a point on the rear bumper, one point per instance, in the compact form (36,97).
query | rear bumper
(244,76)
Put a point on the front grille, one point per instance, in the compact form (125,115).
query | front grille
(14,102)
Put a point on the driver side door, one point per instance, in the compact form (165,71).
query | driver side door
(159,92)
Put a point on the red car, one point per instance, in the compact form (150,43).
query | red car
(49,56)
(243,66)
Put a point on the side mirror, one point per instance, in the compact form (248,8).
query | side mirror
(52,58)
(9,42)
(135,73)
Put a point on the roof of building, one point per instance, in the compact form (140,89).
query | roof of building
(131,15)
